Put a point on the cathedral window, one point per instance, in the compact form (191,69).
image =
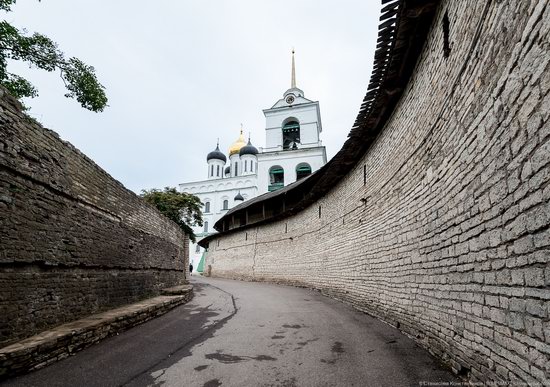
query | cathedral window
(207,207)
(276,178)
(246,165)
(206,226)
(211,170)
(291,135)
(225,205)
(218,171)
(302,170)
(236,166)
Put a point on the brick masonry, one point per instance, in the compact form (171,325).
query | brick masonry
(62,341)
(449,238)
(73,240)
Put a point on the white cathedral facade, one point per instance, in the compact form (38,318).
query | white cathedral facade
(293,150)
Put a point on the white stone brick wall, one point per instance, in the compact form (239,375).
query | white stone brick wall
(453,242)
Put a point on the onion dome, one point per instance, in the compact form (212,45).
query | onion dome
(248,149)
(237,145)
(216,154)
(227,170)
(239,197)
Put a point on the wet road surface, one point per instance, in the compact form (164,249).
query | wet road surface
(250,334)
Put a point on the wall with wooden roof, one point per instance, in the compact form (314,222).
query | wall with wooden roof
(442,225)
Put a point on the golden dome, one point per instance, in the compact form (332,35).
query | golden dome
(237,145)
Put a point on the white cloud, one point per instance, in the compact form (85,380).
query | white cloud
(180,74)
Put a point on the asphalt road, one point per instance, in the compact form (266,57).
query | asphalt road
(250,334)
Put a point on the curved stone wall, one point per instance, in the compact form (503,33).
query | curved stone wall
(448,235)
(73,240)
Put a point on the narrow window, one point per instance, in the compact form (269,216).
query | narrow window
(245,236)
(211,170)
(225,205)
(302,170)
(365,174)
(198,249)
(446,44)
(218,171)
(206,226)
(319,212)
(245,165)
(236,165)
(276,178)
(207,207)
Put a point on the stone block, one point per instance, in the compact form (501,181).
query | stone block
(524,245)
(534,276)
(535,308)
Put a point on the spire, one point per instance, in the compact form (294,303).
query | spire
(293,79)
(294,90)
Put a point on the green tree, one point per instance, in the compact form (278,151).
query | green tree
(181,207)
(39,51)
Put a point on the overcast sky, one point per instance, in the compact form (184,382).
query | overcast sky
(181,73)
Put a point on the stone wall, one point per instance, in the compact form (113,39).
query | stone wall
(449,237)
(73,241)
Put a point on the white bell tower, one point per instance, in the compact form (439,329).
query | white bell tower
(293,147)
(294,121)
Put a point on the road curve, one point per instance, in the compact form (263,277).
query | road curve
(250,334)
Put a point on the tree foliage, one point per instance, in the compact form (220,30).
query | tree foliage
(183,208)
(39,51)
